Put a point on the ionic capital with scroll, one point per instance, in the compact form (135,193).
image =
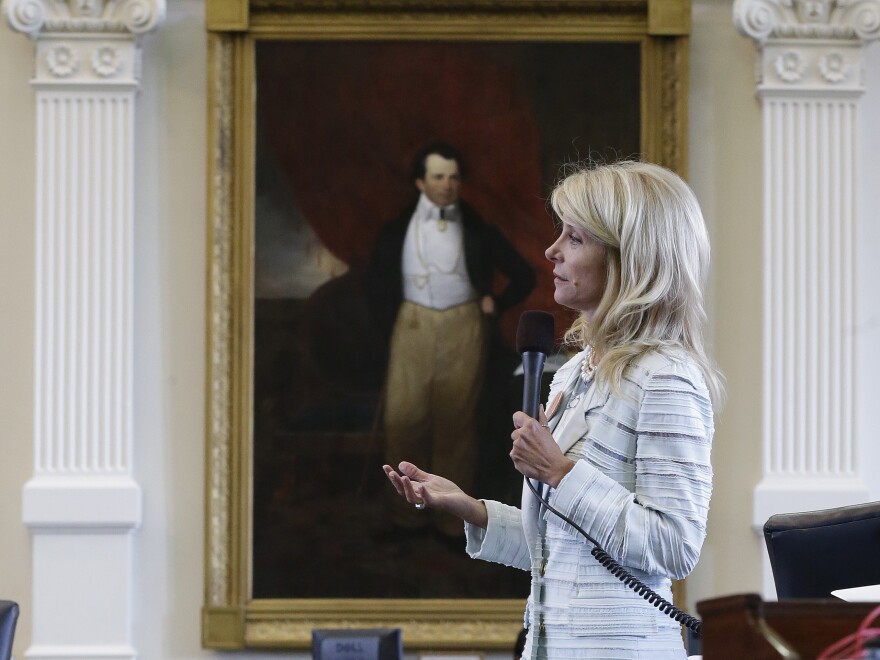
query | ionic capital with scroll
(808,19)
(36,17)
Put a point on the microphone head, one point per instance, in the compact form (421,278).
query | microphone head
(535,332)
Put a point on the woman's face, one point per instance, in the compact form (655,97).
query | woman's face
(579,269)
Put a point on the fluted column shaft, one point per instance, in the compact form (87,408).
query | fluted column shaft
(82,502)
(808,365)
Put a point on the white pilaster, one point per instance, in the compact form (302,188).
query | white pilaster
(809,83)
(82,503)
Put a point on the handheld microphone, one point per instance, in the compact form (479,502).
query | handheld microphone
(534,339)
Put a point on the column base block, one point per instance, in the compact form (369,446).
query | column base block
(91,502)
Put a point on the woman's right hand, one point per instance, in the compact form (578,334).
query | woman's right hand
(418,486)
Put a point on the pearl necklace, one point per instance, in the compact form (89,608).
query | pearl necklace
(588,369)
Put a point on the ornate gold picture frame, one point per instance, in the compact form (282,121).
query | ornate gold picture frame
(232,617)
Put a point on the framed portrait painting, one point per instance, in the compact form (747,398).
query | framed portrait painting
(317,109)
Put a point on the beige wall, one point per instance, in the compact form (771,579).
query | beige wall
(17,110)
(725,171)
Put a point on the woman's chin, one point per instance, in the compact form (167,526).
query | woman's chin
(565,302)
(573,305)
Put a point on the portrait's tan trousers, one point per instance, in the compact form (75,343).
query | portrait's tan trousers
(435,374)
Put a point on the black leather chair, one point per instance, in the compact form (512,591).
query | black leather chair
(816,552)
(8,617)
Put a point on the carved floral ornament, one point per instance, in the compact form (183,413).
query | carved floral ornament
(83,16)
(834,67)
(105,61)
(790,67)
(797,66)
(825,19)
(62,61)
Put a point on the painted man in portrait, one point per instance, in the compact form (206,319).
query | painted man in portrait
(432,277)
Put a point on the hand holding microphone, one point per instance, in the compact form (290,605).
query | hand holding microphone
(534,453)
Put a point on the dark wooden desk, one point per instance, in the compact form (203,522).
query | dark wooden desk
(744,626)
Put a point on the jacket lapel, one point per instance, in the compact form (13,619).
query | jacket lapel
(558,405)
(596,397)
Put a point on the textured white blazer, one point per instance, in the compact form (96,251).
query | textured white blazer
(640,487)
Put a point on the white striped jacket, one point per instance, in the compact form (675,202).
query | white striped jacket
(640,487)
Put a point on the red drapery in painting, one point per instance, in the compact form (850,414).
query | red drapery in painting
(344,121)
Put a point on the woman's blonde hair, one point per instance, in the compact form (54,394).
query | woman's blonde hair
(657,256)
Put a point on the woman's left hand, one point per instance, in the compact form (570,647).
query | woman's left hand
(535,453)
